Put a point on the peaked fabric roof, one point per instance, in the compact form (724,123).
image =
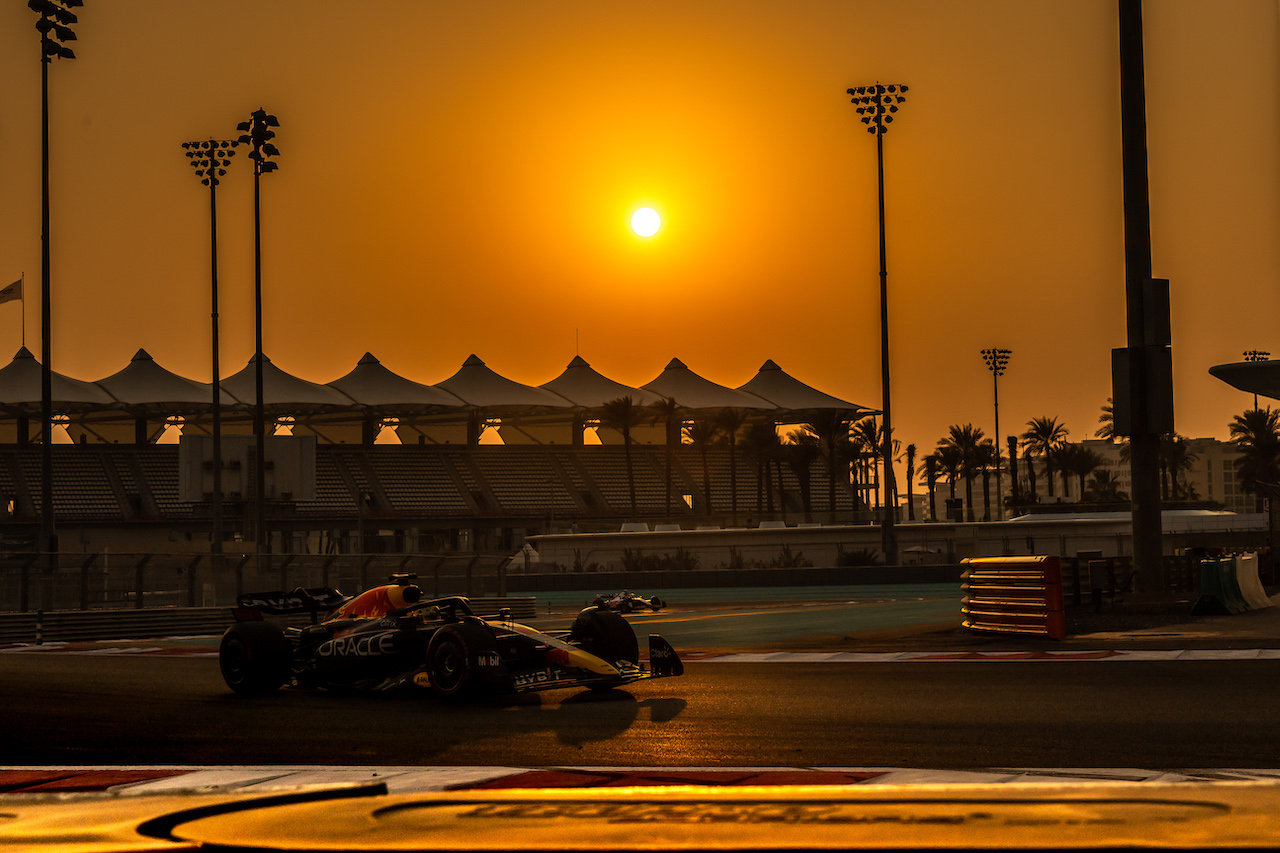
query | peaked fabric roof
(144,384)
(693,392)
(1255,377)
(479,386)
(781,388)
(20,387)
(583,386)
(284,392)
(372,384)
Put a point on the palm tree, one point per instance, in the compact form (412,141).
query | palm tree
(1107,422)
(624,415)
(949,462)
(831,426)
(868,437)
(1177,458)
(668,413)
(965,440)
(1105,488)
(911,478)
(802,448)
(702,433)
(761,442)
(1257,434)
(1079,461)
(1031,473)
(930,463)
(1014,497)
(730,422)
(985,460)
(1044,436)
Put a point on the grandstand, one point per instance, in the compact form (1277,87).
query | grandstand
(413,497)
(399,466)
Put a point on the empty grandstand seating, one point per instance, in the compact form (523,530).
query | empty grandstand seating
(418,487)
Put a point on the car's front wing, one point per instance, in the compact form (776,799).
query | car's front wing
(664,662)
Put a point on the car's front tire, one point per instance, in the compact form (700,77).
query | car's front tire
(606,635)
(254,657)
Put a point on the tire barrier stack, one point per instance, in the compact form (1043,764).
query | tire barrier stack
(1014,595)
(1230,585)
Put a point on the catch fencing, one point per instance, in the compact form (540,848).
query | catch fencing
(116,581)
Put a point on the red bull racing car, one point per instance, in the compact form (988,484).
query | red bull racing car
(389,637)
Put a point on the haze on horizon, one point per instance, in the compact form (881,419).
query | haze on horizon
(460,179)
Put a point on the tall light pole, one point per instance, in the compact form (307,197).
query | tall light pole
(1256,355)
(54,26)
(996,360)
(258,134)
(876,104)
(210,160)
(1145,409)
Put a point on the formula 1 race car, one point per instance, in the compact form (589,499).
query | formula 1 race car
(389,637)
(627,602)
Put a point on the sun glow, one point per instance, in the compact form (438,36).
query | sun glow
(646,222)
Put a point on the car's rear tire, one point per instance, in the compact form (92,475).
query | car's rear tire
(606,635)
(452,663)
(254,657)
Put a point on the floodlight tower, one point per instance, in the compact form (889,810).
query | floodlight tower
(257,133)
(210,160)
(876,104)
(54,27)
(996,360)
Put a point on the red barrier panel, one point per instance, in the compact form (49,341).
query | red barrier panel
(1017,595)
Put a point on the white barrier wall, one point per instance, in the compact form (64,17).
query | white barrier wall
(938,543)
(1250,585)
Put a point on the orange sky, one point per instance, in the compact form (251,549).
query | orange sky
(458,178)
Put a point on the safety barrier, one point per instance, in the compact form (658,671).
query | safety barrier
(1017,595)
(79,625)
(1230,585)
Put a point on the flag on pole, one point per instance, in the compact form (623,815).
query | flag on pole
(12,292)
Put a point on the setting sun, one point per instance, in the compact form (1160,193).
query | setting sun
(646,222)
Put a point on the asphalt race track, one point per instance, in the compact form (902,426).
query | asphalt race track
(137,710)
(818,711)
(164,702)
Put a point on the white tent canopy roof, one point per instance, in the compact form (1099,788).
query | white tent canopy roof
(284,392)
(781,388)
(479,386)
(21,387)
(583,386)
(693,392)
(144,387)
(145,384)
(372,384)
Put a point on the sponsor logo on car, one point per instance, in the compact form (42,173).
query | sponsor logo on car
(542,676)
(264,603)
(362,646)
(489,660)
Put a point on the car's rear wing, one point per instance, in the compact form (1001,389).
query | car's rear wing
(280,603)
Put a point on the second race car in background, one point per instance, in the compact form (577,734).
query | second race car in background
(627,602)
